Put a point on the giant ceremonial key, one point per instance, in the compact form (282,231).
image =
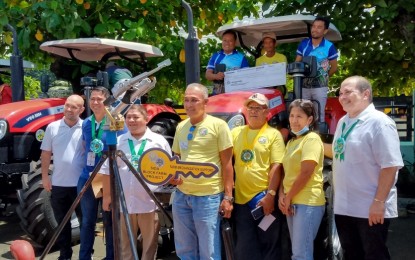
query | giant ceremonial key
(157,167)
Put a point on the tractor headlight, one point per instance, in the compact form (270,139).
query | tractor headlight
(237,120)
(3,128)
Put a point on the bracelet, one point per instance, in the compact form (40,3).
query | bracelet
(381,201)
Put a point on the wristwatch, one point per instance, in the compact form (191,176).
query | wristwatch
(272,192)
(229,198)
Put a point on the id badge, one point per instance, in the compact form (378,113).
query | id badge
(90,161)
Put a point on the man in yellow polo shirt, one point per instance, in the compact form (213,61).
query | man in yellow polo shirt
(269,43)
(258,152)
(197,201)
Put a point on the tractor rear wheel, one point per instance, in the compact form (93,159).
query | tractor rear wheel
(35,210)
(327,243)
(164,126)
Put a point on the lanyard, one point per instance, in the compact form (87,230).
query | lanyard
(140,150)
(247,154)
(93,128)
(340,144)
(348,131)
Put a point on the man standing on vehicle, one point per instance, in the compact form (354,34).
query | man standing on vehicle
(258,152)
(117,73)
(197,202)
(316,89)
(365,169)
(269,43)
(226,59)
(94,141)
(63,140)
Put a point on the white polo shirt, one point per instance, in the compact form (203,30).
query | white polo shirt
(372,145)
(66,146)
(136,198)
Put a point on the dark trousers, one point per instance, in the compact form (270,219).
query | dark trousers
(361,241)
(89,206)
(252,242)
(61,200)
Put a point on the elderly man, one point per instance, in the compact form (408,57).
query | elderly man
(316,89)
(365,166)
(63,140)
(197,202)
(258,152)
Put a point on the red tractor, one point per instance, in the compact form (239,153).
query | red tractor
(229,106)
(22,126)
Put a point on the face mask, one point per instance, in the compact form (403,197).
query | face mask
(302,131)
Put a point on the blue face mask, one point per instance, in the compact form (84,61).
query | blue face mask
(302,131)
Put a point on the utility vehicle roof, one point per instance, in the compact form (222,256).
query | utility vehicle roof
(288,28)
(5,65)
(96,49)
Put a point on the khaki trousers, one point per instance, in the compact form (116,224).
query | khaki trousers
(148,224)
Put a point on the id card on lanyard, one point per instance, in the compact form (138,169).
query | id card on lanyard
(96,145)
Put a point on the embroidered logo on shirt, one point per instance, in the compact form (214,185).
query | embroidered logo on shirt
(262,140)
(203,131)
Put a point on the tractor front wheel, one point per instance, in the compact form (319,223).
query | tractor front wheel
(35,210)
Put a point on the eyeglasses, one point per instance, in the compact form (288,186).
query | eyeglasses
(190,134)
(255,109)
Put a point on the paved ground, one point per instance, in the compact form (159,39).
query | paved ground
(10,230)
(401,238)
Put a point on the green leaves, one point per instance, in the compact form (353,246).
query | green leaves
(377,35)
(3,20)
(381,3)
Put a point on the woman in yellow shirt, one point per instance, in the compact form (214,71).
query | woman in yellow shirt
(301,195)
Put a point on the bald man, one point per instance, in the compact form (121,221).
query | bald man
(366,161)
(63,139)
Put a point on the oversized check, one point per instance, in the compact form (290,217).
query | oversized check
(256,77)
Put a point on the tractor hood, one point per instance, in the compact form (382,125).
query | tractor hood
(233,102)
(29,116)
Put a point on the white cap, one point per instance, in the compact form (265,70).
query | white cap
(258,98)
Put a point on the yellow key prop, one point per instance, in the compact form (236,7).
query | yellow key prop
(157,167)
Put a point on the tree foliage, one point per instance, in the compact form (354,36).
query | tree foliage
(378,38)
(153,22)
(378,35)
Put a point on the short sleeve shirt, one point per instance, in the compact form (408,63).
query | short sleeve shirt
(233,61)
(277,58)
(210,137)
(268,149)
(305,148)
(87,139)
(65,144)
(136,198)
(373,144)
(324,53)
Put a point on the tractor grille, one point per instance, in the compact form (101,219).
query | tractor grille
(22,145)
(4,155)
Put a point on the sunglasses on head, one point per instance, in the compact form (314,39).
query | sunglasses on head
(190,135)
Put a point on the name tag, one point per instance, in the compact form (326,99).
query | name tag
(90,161)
